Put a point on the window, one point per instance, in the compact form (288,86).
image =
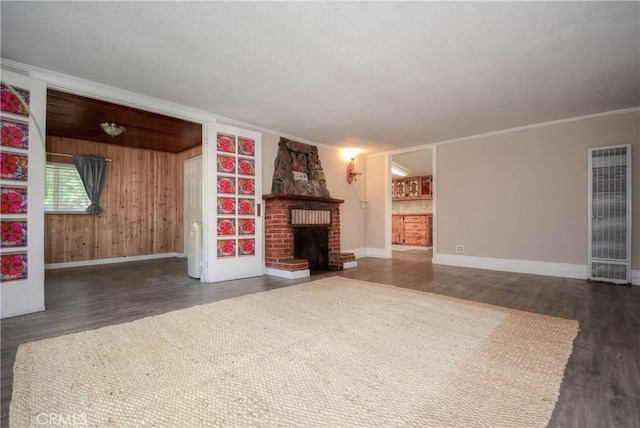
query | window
(64,191)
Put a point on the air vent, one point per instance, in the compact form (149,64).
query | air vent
(610,214)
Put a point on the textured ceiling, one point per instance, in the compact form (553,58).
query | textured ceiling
(378,75)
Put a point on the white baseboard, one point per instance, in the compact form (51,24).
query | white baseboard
(378,253)
(287,274)
(358,252)
(635,276)
(349,265)
(112,260)
(563,270)
(23,311)
(409,247)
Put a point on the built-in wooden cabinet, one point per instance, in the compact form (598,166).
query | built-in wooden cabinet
(412,188)
(412,229)
(397,229)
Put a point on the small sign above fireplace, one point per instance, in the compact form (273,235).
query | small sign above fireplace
(300,176)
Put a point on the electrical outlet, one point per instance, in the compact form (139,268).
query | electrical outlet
(459,248)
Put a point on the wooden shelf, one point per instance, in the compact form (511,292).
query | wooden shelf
(412,188)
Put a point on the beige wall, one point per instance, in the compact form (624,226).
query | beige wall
(378,219)
(523,195)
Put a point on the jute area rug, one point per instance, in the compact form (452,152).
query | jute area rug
(329,353)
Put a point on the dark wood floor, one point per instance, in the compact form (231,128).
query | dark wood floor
(602,380)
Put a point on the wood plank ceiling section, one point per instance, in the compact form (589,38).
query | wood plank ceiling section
(73,116)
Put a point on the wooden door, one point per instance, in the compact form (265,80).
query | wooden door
(233,228)
(397,229)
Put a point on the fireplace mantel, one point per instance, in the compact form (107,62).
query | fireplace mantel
(301,198)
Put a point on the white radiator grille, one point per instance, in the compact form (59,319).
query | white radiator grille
(310,217)
(609,271)
(610,200)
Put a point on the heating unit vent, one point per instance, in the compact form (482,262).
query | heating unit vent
(610,213)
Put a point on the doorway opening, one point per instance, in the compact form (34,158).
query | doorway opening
(412,186)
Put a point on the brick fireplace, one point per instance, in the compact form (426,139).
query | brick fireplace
(300,205)
(283,214)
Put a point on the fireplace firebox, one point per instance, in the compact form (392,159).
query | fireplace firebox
(312,244)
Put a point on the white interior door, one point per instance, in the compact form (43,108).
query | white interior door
(192,196)
(22,188)
(233,236)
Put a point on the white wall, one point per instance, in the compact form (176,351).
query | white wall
(378,218)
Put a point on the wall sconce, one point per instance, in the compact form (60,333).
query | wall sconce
(112,129)
(351,171)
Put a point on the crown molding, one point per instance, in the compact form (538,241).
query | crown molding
(510,130)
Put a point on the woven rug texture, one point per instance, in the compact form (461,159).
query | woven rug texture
(334,352)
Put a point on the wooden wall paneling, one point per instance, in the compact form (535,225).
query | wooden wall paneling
(142,199)
(114,198)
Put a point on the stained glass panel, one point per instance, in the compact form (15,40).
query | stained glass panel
(246,186)
(226,143)
(14,134)
(246,147)
(226,248)
(13,200)
(14,266)
(226,226)
(13,233)
(226,185)
(246,247)
(246,226)
(226,164)
(11,103)
(246,166)
(226,206)
(13,166)
(246,206)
